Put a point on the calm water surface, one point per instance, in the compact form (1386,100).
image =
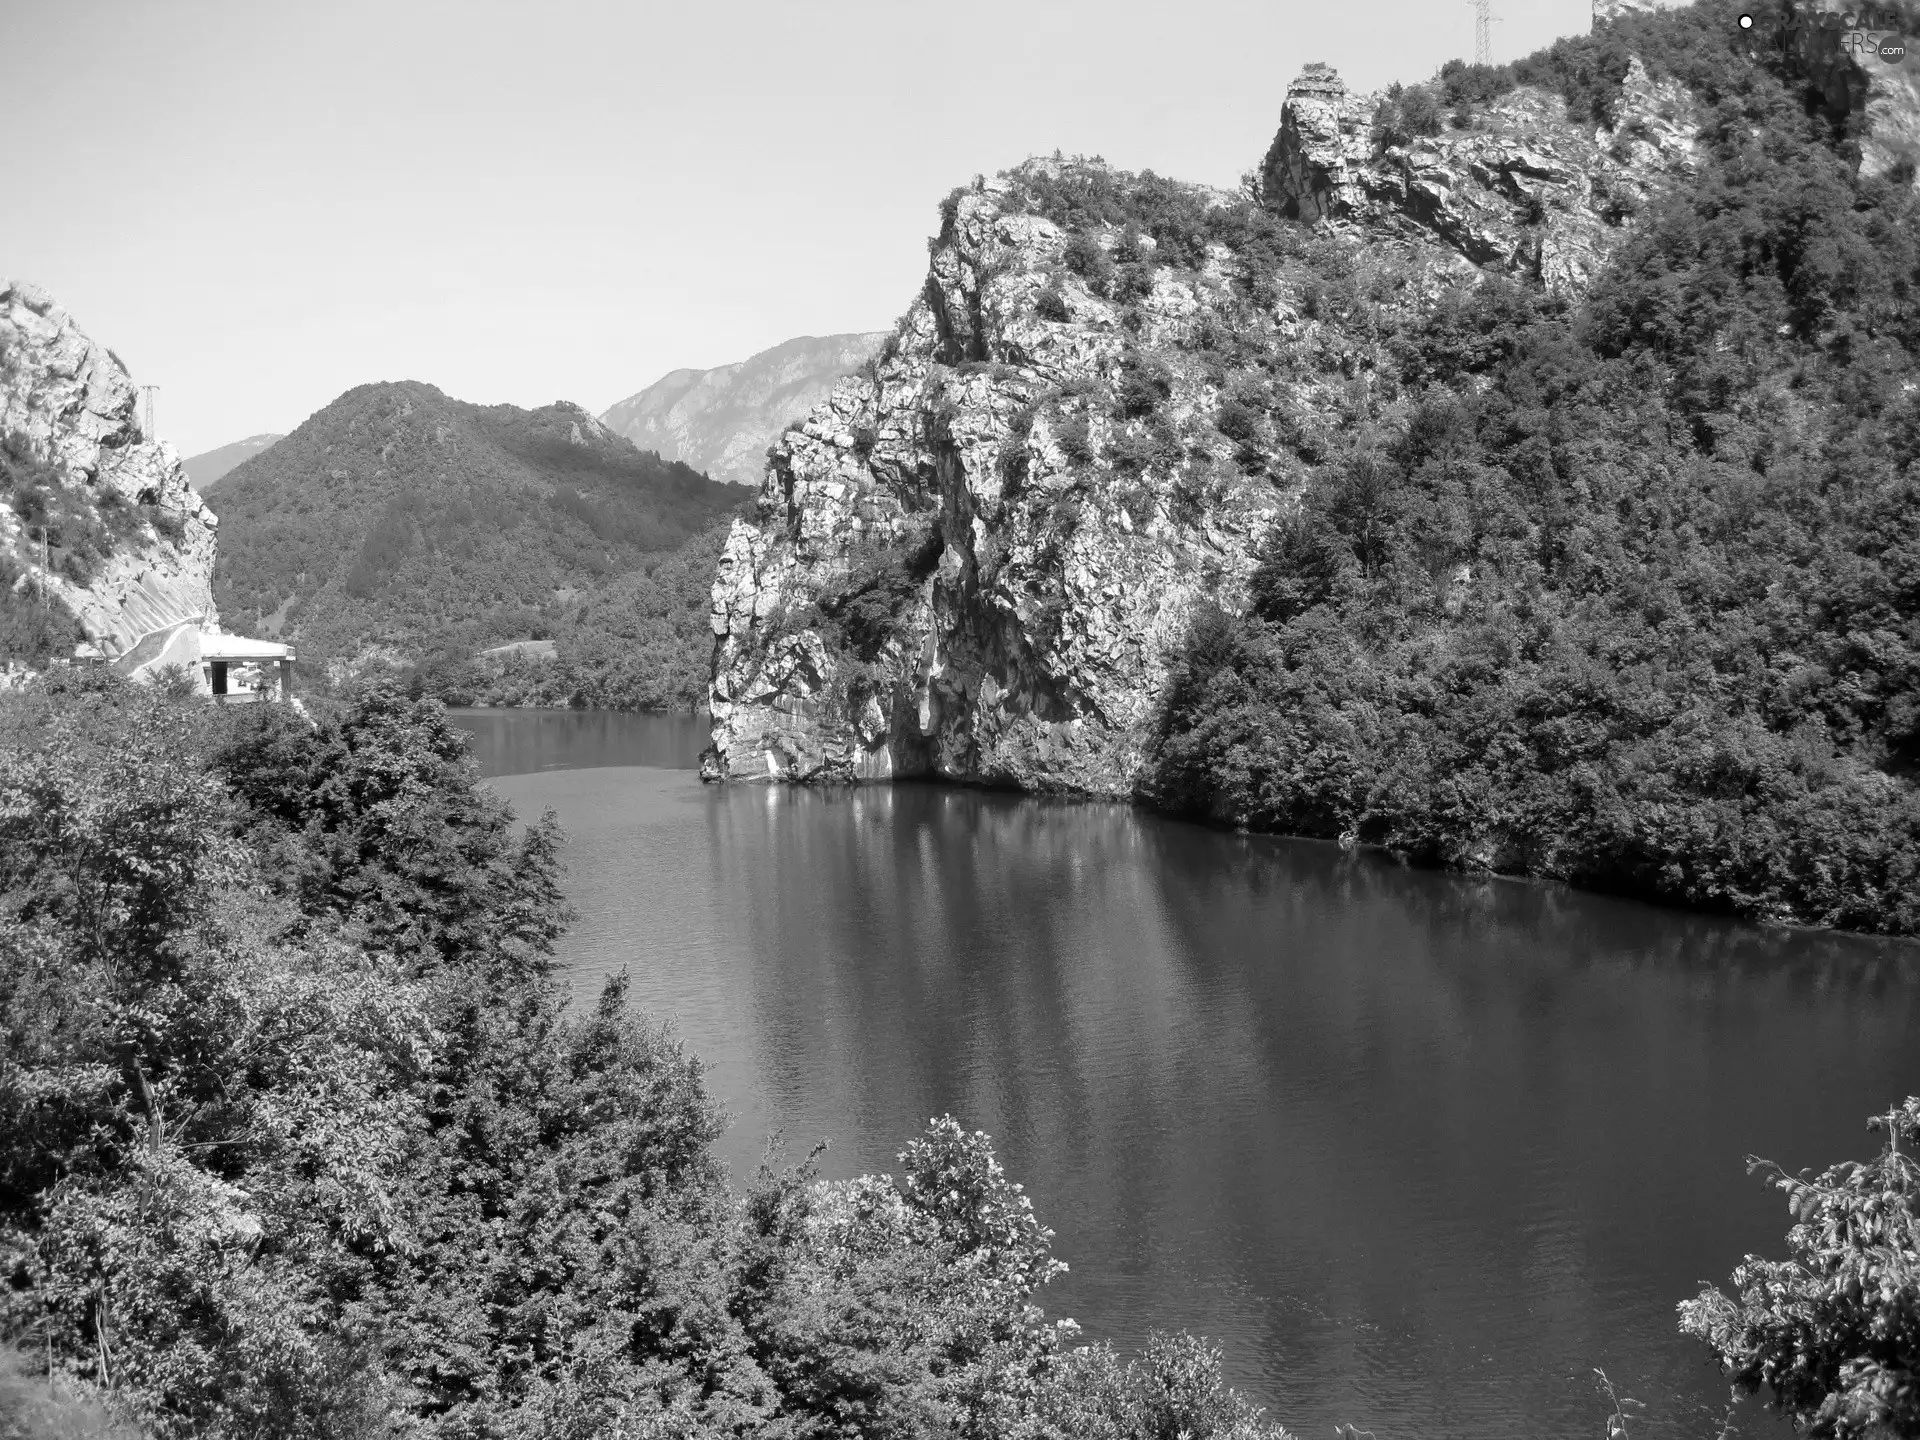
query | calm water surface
(1419,1151)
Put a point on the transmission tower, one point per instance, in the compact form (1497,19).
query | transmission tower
(1483,21)
(149,389)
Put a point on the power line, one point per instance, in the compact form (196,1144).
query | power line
(1483,22)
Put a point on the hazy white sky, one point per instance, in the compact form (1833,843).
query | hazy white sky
(261,204)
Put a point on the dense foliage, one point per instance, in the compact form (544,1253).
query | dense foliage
(298,1136)
(644,641)
(398,520)
(1834,1332)
(1626,593)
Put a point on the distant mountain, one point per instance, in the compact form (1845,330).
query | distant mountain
(206,470)
(722,421)
(400,520)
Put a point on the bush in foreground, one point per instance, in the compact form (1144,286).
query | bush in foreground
(299,1136)
(1833,1332)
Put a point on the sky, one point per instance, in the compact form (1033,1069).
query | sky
(261,205)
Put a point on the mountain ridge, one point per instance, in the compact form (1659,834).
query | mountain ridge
(399,518)
(720,421)
(208,468)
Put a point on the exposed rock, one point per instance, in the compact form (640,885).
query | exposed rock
(935,584)
(1524,191)
(977,561)
(1892,142)
(721,421)
(1607,11)
(68,402)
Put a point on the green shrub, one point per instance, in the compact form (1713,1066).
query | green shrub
(1834,1332)
(1404,114)
(1237,421)
(1086,257)
(1145,385)
(1075,439)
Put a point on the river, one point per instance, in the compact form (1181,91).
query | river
(1419,1151)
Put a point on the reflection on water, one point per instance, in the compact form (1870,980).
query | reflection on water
(520,742)
(1419,1150)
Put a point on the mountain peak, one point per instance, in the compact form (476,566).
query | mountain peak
(721,421)
(398,516)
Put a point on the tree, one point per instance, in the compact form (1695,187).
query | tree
(1834,1331)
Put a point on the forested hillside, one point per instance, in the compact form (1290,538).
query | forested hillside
(401,520)
(1624,591)
(298,1137)
(1519,475)
(643,641)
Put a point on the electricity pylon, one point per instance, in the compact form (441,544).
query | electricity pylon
(1483,19)
(149,389)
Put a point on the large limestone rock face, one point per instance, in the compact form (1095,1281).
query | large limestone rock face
(1026,604)
(66,400)
(978,560)
(1525,190)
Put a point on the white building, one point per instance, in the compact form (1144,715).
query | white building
(231,668)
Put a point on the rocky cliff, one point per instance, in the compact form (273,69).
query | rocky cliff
(1525,190)
(99,516)
(721,421)
(978,560)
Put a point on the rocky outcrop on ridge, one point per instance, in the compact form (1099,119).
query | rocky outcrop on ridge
(978,560)
(721,421)
(1524,191)
(136,548)
(981,559)
(937,581)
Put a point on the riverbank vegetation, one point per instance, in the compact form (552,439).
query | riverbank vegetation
(299,1136)
(1624,592)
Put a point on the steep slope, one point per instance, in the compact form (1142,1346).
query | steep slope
(1522,485)
(399,519)
(101,535)
(977,562)
(721,421)
(207,469)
